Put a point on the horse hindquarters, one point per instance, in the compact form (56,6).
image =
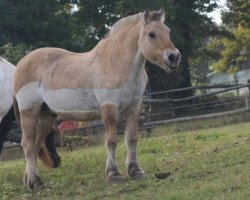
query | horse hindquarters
(36,123)
(49,142)
(5,126)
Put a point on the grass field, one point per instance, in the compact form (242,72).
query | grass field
(206,163)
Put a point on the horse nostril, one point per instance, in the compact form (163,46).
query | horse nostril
(171,57)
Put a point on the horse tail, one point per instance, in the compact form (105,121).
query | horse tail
(5,126)
(51,147)
(46,157)
(49,159)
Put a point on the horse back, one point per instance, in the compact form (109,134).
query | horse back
(34,66)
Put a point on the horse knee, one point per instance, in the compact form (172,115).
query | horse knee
(131,141)
(111,143)
(23,142)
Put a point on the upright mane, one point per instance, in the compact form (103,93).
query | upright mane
(126,21)
(133,19)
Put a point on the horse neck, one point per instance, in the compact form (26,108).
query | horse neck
(121,49)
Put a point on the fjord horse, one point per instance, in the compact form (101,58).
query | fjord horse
(106,82)
(7,115)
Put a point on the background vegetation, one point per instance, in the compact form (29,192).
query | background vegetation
(77,25)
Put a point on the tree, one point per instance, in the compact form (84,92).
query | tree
(35,22)
(233,50)
(79,24)
(93,20)
(237,13)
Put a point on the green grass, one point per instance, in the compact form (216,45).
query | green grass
(203,164)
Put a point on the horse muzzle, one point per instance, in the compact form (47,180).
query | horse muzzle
(172,60)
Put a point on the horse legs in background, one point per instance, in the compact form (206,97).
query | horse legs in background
(51,146)
(46,134)
(36,124)
(5,126)
(110,117)
(131,134)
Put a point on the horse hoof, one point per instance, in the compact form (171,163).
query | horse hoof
(113,175)
(37,187)
(115,178)
(135,172)
(36,184)
(137,175)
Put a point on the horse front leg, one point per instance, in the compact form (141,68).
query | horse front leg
(131,136)
(110,117)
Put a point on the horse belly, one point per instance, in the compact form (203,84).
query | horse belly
(78,104)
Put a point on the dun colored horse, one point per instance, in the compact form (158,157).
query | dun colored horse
(106,82)
(7,115)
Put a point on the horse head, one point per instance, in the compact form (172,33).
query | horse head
(154,41)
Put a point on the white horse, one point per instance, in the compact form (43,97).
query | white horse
(105,82)
(6,110)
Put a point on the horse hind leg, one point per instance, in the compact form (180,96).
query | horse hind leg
(29,120)
(36,125)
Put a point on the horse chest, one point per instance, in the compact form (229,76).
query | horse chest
(125,97)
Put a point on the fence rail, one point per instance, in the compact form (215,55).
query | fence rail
(214,86)
(199,117)
(193,97)
(149,124)
(218,103)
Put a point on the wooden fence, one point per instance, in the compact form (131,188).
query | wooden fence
(198,102)
(219,102)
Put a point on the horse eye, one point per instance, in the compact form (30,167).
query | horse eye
(151,35)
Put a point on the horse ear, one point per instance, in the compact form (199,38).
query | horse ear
(162,12)
(146,16)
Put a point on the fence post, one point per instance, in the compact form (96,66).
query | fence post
(246,100)
(248,82)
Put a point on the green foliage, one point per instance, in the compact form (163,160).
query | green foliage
(14,53)
(234,51)
(79,25)
(237,13)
